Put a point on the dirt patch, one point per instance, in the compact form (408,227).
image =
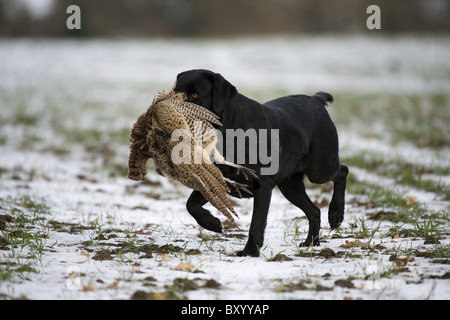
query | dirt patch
(183,284)
(280,258)
(168,248)
(383,215)
(123,247)
(445,276)
(176,290)
(4,218)
(327,253)
(431,240)
(103,255)
(344,283)
(292,286)
(212,284)
(166,295)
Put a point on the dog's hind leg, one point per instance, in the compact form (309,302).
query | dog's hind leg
(294,190)
(336,208)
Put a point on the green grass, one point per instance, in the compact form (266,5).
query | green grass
(25,233)
(430,228)
(440,253)
(402,172)
(420,119)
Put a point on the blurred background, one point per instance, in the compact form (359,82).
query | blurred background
(204,18)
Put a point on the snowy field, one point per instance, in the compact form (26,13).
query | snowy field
(72,226)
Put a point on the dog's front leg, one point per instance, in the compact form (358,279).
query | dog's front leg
(261,205)
(203,217)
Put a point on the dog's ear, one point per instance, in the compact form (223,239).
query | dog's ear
(178,78)
(223,93)
(180,74)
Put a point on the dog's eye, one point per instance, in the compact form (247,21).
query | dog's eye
(194,95)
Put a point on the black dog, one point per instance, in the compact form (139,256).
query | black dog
(308,145)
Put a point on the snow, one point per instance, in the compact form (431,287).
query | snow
(105,84)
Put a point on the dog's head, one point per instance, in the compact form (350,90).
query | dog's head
(205,88)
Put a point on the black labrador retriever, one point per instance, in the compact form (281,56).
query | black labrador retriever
(306,144)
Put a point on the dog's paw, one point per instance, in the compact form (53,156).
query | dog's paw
(211,223)
(335,217)
(248,253)
(309,243)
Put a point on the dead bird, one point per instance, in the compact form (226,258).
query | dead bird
(189,160)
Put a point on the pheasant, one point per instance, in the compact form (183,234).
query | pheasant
(152,137)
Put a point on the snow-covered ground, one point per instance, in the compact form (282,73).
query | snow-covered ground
(73,227)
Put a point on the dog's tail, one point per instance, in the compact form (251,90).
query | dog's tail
(323,97)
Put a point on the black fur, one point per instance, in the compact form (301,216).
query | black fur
(308,145)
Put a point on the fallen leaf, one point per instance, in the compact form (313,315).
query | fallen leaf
(359,235)
(410,200)
(114,285)
(165,257)
(89,288)
(85,253)
(347,244)
(184,266)
(402,262)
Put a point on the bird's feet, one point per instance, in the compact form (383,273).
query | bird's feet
(238,187)
(246,172)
